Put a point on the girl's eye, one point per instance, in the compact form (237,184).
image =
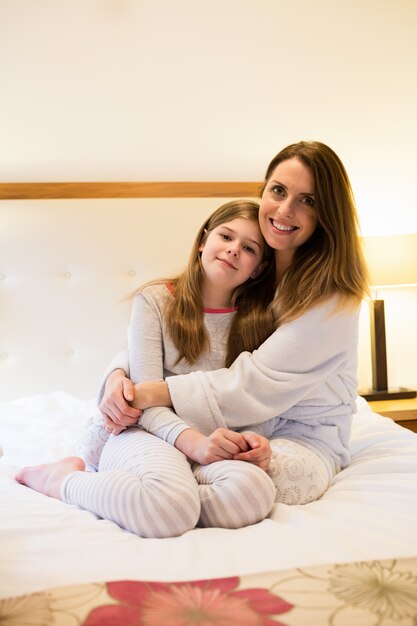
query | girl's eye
(249,249)
(224,236)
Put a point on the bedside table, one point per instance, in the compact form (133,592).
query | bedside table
(404,412)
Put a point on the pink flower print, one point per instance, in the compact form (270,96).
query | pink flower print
(198,603)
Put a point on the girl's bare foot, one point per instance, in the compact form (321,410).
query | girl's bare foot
(48,478)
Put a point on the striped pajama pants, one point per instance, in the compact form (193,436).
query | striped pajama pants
(148,487)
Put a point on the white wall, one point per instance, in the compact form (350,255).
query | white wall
(197,90)
(97,90)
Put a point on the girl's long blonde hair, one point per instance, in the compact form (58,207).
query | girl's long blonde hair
(331,260)
(184,313)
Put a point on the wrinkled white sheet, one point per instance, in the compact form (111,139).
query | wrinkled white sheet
(369,512)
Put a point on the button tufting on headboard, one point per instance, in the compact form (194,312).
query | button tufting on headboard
(103,249)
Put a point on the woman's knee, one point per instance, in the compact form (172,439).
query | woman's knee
(300,475)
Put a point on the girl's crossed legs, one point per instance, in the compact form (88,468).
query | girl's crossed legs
(147,486)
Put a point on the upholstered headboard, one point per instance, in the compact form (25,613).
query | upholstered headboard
(69,256)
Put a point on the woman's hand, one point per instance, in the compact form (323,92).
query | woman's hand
(260,450)
(221,444)
(114,407)
(111,428)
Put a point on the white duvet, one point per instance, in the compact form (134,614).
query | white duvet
(369,512)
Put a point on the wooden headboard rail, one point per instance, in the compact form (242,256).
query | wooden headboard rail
(46,191)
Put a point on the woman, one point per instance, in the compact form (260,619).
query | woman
(299,387)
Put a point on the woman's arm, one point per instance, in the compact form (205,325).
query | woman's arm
(312,355)
(310,361)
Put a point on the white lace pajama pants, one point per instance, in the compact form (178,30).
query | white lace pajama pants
(299,474)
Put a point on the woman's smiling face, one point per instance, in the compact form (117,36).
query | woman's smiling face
(287,213)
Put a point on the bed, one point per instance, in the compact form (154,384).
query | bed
(67,260)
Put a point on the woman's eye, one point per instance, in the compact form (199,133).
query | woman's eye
(277,189)
(308,201)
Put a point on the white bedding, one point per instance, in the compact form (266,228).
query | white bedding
(369,512)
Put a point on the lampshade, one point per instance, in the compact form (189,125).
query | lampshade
(391,260)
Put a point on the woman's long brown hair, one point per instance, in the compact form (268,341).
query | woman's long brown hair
(331,260)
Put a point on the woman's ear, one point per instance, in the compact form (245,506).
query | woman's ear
(259,269)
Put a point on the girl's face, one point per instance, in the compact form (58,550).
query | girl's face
(287,214)
(232,253)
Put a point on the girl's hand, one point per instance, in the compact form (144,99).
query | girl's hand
(151,393)
(260,450)
(221,444)
(115,406)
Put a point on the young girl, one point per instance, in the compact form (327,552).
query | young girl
(199,320)
(303,378)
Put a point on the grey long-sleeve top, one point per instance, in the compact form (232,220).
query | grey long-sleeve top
(152,355)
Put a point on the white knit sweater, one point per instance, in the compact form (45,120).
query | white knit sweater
(303,379)
(300,384)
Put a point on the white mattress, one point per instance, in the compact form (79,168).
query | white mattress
(369,512)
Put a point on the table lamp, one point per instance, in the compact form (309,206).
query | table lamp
(392,262)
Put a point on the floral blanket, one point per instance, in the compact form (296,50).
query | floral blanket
(372,593)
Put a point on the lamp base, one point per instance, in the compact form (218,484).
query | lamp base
(395,393)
